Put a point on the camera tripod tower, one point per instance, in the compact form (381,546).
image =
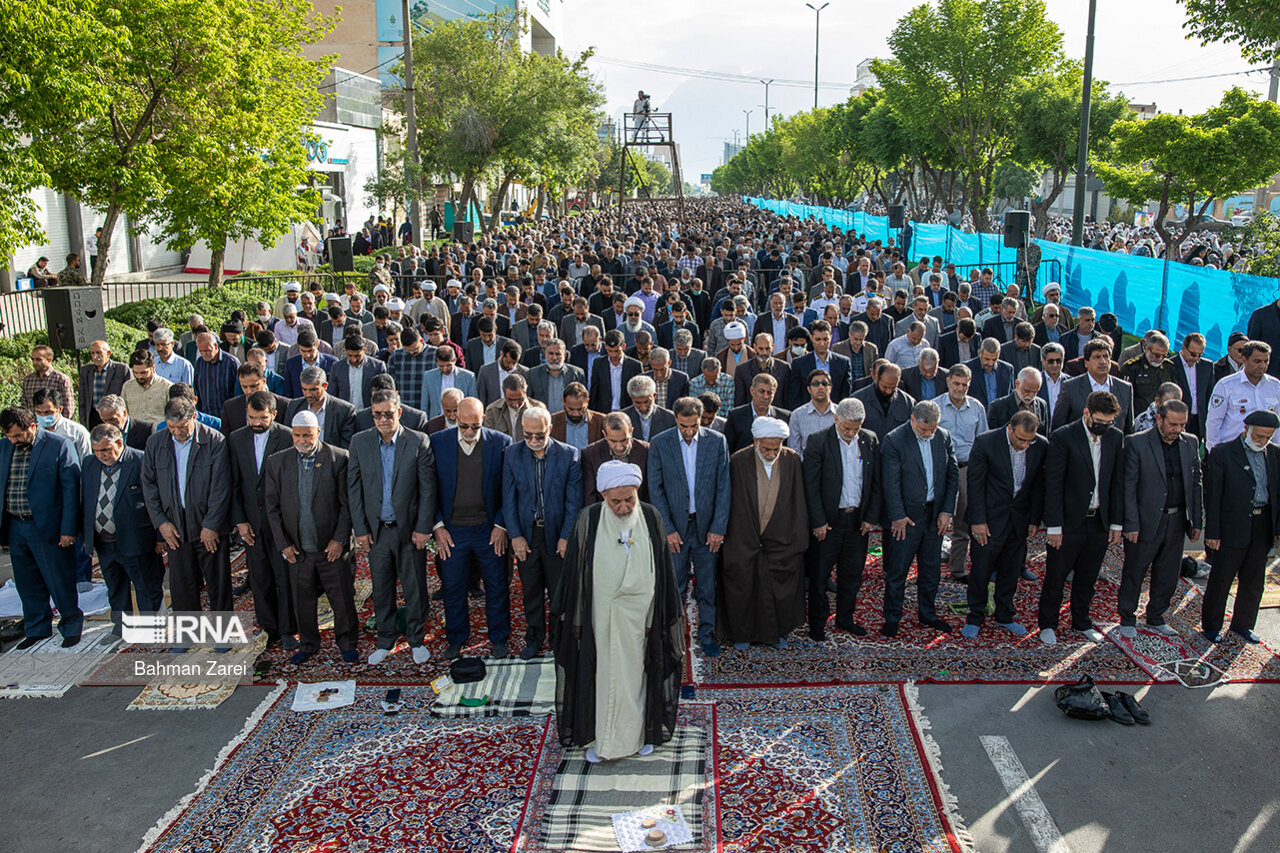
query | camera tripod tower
(648,130)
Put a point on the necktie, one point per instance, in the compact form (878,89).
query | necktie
(1019,470)
(99,384)
(106,500)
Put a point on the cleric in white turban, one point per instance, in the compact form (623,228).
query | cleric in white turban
(633,321)
(620,641)
(762,576)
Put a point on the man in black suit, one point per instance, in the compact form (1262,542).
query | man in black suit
(679,320)
(918,504)
(610,375)
(1074,341)
(1162,507)
(1194,376)
(1242,509)
(842,491)
(647,417)
(584,355)
(1025,397)
(1097,377)
(879,324)
(1006,503)
(992,378)
(887,405)
(117,527)
(670,385)
(1264,325)
(391,481)
(924,381)
(1022,351)
(764,362)
(822,358)
(351,380)
(485,346)
(410,418)
(1233,361)
(250,447)
(251,379)
(958,345)
(191,510)
(100,377)
(308,507)
(337,417)
(618,443)
(737,425)
(1083,511)
(112,410)
(1002,325)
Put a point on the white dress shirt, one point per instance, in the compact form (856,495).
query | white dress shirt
(851,482)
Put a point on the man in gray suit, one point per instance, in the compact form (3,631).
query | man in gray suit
(1075,391)
(694,506)
(920,312)
(572,325)
(1162,505)
(337,417)
(391,481)
(647,417)
(309,511)
(186,483)
(446,374)
(489,378)
(548,380)
(525,332)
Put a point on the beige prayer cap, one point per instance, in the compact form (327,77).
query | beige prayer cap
(613,474)
(769,428)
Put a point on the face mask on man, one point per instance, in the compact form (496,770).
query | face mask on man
(798,349)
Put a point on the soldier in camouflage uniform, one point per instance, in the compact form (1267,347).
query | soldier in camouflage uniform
(71,276)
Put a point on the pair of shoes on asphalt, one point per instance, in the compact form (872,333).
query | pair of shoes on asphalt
(1214,637)
(970,631)
(1125,709)
(1049,637)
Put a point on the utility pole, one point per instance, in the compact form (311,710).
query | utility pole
(817,18)
(1082,154)
(747,138)
(766,102)
(411,149)
(1260,194)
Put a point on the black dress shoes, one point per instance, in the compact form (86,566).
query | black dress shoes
(1130,702)
(1119,712)
(29,642)
(938,624)
(889,629)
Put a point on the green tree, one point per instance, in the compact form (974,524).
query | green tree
(1252,24)
(1046,109)
(47,84)
(1014,181)
(1193,160)
(1263,236)
(952,74)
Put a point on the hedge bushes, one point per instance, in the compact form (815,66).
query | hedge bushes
(214,304)
(15,357)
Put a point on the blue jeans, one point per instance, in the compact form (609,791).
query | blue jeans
(44,570)
(468,542)
(695,551)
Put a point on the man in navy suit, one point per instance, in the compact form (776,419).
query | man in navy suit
(1194,375)
(470,524)
(919,501)
(308,355)
(689,486)
(40,485)
(992,378)
(1006,505)
(542,493)
(352,380)
(117,526)
(822,358)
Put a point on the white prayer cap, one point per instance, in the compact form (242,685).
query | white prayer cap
(634,300)
(332,297)
(305,418)
(395,304)
(769,428)
(292,287)
(735,332)
(613,474)
(381,288)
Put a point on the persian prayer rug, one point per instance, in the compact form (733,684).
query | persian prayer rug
(571,802)
(919,653)
(354,779)
(829,768)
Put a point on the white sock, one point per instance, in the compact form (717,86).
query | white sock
(592,757)
(646,749)
(378,656)
(421,654)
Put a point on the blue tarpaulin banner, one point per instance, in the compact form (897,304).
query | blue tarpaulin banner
(1143,293)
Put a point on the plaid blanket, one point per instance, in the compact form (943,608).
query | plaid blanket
(585,796)
(515,688)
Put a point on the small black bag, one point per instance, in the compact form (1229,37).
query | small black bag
(466,670)
(1082,700)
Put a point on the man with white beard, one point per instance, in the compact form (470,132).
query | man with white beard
(633,321)
(620,640)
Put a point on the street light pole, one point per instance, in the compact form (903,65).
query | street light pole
(766,102)
(816,29)
(1082,154)
(748,113)
(411,129)
(1260,195)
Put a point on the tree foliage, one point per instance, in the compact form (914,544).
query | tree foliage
(1252,24)
(1193,160)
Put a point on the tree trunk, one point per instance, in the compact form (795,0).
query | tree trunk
(464,203)
(104,244)
(495,218)
(217,262)
(542,194)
